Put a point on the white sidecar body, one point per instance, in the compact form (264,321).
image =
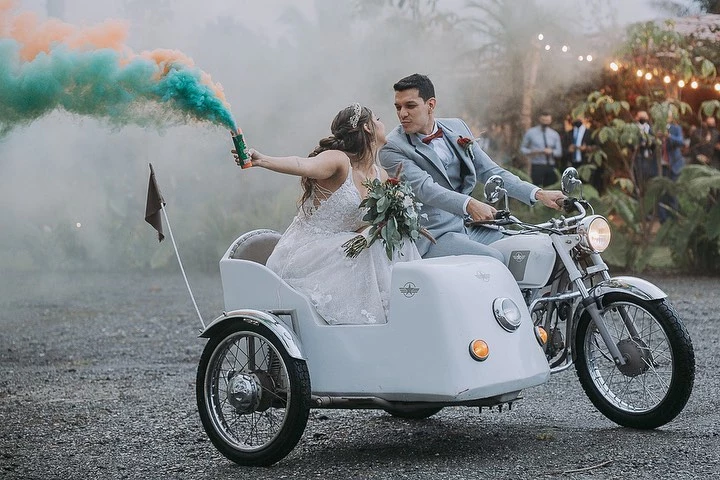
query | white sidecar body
(422,354)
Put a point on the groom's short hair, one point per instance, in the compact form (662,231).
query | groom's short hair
(426,89)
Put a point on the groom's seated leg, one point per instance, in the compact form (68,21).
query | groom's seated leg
(454,243)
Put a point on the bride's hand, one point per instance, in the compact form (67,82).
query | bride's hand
(253,157)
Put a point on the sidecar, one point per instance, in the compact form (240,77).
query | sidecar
(458,333)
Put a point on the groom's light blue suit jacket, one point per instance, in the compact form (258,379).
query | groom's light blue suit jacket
(442,202)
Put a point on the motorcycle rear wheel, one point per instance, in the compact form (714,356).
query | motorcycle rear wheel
(655,384)
(252,396)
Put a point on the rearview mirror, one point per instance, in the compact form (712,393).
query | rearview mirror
(495,189)
(570,181)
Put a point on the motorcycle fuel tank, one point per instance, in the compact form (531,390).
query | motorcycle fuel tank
(530,258)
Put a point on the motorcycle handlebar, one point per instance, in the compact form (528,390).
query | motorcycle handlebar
(569,204)
(503,217)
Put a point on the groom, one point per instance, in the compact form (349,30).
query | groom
(443,173)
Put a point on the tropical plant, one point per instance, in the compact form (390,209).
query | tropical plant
(694,237)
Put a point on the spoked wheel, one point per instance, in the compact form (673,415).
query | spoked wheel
(253,398)
(413,413)
(655,383)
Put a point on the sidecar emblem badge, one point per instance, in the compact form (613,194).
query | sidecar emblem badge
(409,289)
(485,277)
(519,256)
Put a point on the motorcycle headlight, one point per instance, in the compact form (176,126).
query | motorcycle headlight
(595,233)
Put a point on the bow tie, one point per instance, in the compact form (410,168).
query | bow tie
(432,137)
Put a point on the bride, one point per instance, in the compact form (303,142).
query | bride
(309,255)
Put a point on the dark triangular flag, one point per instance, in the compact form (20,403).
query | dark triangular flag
(155,202)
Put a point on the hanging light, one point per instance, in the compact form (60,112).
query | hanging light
(581,58)
(541,36)
(648,76)
(666,79)
(717,87)
(589,58)
(693,84)
(564,48)
(547,47)
(681,83)
(639,73)
(614,67)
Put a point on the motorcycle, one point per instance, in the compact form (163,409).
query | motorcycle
(461,331)
(632,353)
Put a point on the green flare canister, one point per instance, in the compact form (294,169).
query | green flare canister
(241,149)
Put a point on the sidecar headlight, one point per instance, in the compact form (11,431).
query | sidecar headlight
(595,233)
(507,313)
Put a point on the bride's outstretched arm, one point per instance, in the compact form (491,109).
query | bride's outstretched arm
(325,165)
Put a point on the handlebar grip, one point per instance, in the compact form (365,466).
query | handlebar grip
(568,204)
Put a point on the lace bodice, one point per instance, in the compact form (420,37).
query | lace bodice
(339,212)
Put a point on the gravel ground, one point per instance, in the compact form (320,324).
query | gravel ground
(97,381)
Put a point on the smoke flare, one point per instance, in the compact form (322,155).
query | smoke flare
(90,71)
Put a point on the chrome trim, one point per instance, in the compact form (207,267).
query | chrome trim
(557,298)
(562,368)
(286,336)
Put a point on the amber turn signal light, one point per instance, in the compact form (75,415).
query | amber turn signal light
(541,336)
(479,350)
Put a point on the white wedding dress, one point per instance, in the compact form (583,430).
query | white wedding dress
(310,258)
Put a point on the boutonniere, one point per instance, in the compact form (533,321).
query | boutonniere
(467,145)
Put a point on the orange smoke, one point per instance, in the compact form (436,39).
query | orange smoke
(35,36)
(165,58)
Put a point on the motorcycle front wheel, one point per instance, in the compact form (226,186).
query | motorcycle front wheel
(252,396)
(655,383)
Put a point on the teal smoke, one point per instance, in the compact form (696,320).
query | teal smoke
(97,84)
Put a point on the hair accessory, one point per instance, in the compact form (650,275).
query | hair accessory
(356,115)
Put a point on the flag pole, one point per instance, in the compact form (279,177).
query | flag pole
(177,254)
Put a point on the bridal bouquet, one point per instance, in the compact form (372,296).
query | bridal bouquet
(393,215)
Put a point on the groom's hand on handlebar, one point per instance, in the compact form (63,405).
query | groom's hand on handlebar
(551,198)
(479,211)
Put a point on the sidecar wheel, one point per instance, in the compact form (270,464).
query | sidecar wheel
(413,413)
(654,385)
(253,398)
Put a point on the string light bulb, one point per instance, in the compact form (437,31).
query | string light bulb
(541,36)
(614,67)
(589,58)
(581,58)
(693,84)
(547,47)
(564,48)
(681,83)
(666,79)
(648,76)
(717,87)
(639,73)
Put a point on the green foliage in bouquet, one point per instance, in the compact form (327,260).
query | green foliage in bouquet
(393,214)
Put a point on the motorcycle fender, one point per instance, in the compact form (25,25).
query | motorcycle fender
(637,287)
(631,285)
(254,317)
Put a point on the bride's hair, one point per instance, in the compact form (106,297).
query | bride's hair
(349,136)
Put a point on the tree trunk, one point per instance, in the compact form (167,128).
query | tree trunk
(528,93)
